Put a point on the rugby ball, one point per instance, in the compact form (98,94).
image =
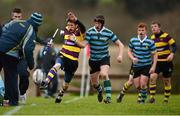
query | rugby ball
(38,76)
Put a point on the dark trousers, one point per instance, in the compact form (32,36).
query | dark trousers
(23,76)
(9,64)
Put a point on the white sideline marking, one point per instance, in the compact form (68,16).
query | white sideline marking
(16,109)
(72,100)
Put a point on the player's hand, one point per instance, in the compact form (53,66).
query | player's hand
(71,16)
(152,70)
(135,60)
(73,38)
(119,59)
(170,57)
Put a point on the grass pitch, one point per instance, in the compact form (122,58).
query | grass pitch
(73,105)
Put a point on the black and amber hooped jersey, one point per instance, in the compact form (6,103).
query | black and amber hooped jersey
(163,43)
(70,48)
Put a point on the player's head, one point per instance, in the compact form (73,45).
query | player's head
(142,29)
(16,14)
(71,26)
(155,27)
(99,21)
(36,20)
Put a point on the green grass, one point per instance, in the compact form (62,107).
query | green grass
(90,106)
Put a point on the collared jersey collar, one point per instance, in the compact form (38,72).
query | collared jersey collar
(142,39)
(100,30)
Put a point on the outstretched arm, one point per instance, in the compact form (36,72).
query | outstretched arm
(121,48)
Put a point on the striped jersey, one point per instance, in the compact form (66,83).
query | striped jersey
(163,42)
(142,50)
(70,49)
(98,42)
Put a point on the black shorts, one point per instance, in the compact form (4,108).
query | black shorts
(95,65)
(69,66)
(144,70)
(165,67)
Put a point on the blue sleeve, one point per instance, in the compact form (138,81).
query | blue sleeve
(87,37)
(28,47)
(152,47)
(113,37)
(130,44)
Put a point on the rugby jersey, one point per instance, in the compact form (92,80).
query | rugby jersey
(70,49)
(142,50)
(98,42)
(163,42)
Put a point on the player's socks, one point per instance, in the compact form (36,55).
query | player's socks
(152,90)
(125,87)
(139,97)
(107,88)
(123,91)
(99,90)
(52,72)
(167,93)
(143,93)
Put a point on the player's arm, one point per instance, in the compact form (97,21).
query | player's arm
(153,67)
(130,54)
(28,48)
(40,41)
(72,16)
(81,26)
(173,46)
(121,48)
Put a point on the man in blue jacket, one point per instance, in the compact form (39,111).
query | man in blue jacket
(22,66)
(17,35)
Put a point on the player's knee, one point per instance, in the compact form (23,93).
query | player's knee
(104,75)
(130,82)
(57,66)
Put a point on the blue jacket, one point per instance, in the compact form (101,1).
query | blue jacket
(18,35)
(0,29)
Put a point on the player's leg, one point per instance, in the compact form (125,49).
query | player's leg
(63,89)
(126,86)
(143,82)
(52,72)
(94,73)
(23,80)
(53,86)
(152,82)
(70,68)
(152,87)
(97,86)
(136,81)
(107,83)
(167,89)
(167,73)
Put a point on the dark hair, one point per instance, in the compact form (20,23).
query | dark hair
(142,25)
(156,22)
(100,19)
(71,21)
(17,10)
